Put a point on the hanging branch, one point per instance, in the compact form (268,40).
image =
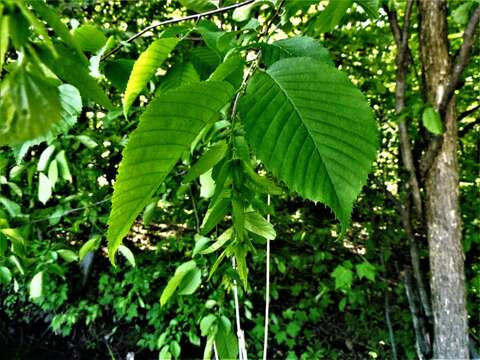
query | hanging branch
(175,21)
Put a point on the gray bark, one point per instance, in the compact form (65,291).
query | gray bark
(447,281)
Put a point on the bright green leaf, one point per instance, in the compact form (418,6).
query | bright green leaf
(175,281)
(29,106)
(298,46)
(207,161)
(255,223)
(145,67)
(168,126)
(320,141)
(431,120)
(36,285)
(332,15)
(67,255)
(5,275)
(343,277)
(125,251)
(44,188)
(190,282)
(222,240)
(206,324)
(366,270)
(89,37)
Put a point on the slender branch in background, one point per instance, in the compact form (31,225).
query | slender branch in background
(413,187)
(175,21)
(420,336)
(461,60)
(391,333)
(454,83)
(71,211)
(464,130)
(267,291)
(468,112)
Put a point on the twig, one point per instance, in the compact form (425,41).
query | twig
(70,211)
(174,21)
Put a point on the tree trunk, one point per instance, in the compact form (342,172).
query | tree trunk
(442,207)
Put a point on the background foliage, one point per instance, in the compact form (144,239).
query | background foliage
(60,295)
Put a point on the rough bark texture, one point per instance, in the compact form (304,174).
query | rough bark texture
(442,207)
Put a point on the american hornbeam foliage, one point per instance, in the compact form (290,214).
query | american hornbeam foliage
(252,102)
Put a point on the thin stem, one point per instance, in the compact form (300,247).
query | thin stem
(267,291)
(242,351)
(175,21)
(194,205)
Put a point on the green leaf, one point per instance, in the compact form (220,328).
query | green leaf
(298,46)
(366,270)
(343,277)
(118,72)
(71,70)
(36,285)
(206,324)
(90,245)
(45,158)
(221,240)
(431,120)
(259,183)
(145,67)
(215,213)
(198,5)
(53,19)
(167,128)
(149,212)
(462,13)
(207,185)
(313,129)
(165,353)
(71,103)
(4,32)
(370,6)
(175,281)
(44,188)
(63,166)
(125,251)
(5,275)
(225,340)
(53,173)
(207,161)
(190,282)
(181,74)
(12,207)
(255,223)
(175,349)
(29,106)
(89,37)
(231,70)
(67,255)
(200,243)
(332,15)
